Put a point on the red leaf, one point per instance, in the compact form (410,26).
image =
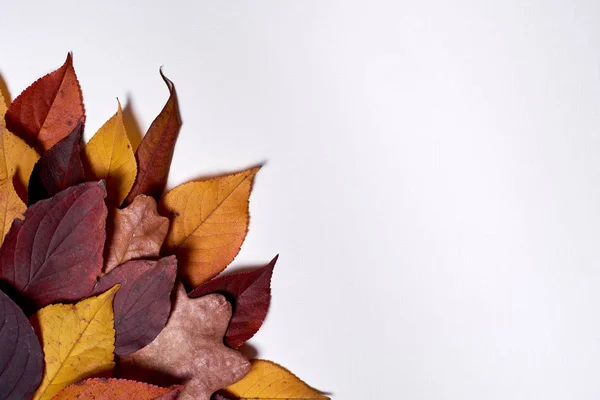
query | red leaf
(156,149)
(251,293)
(143,303)
(47,111)
(58,169)
(116,389)
(55,254)
(21,357)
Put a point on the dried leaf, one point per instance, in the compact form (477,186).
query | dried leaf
(58,169)
(78,341)
(21,358)
(143,304)
(267,380)
(49,109)
(55,254)
(138,232)
(16,157)
(156,149)
(209,224)
(190,349)
(11,207)
(115,389)
(251,295)
(109,156)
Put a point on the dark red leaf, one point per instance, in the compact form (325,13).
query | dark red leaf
(156,149)
(221,395)
(143,303)
(250,292)
(48,110)
(58,168)
(21,357)
(55,254)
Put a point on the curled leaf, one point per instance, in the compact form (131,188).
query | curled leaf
(21,358)
(190,349)
(156,149)
(78,341)
(55,254)
(58,169)
(143,304)
(138,232)
(269,381)
(115,389)
(49,109)
(251,295)
(109,156)
(209,224)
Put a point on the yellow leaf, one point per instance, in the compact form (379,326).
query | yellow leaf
(11,207)
(16,157)
(78,341)
(209,223)
(110,157)
(267,380)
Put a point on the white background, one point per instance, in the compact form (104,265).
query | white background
(432,179)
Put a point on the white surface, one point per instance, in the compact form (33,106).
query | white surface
(432,180)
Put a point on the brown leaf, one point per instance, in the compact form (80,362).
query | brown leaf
(156,149)
(190,349)
(115,389)
(138,232)
(143,304)
(49,109)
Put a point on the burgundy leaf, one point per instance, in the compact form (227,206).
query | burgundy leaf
(55,254)
(58,168)
(143,303)
(156,149)
(250,292)
(47,111)
(21,357)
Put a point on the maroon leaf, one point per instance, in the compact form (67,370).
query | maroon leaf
(58,168)
(143,303)
(48,110)
(55,254)
(21,357)
(156,149)
(251,295)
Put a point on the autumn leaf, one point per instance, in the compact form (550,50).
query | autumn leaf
(156,149)
(209,224)
(21,358)
(58,169)
(109,156)
(138,233)
(78,341)
(55,254)
(11,207)
(143,303)
(16,157)
(251,295)
(190,349)
(115,389)
(267,380)
(49,109)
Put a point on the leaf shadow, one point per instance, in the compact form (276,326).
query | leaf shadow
(132,124)
(4,90)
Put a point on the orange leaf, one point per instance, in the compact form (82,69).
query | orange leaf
(11,207)
(115,389)
(269,381)
(209,223)
(49,109)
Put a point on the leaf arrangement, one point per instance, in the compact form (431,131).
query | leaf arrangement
(111,288)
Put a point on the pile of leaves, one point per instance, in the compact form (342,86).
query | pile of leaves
(110,288)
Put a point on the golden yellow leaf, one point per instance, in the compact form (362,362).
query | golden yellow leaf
(267,380)
(78,341)
(110,157)
(16,157)
(11,207)
(209,223)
